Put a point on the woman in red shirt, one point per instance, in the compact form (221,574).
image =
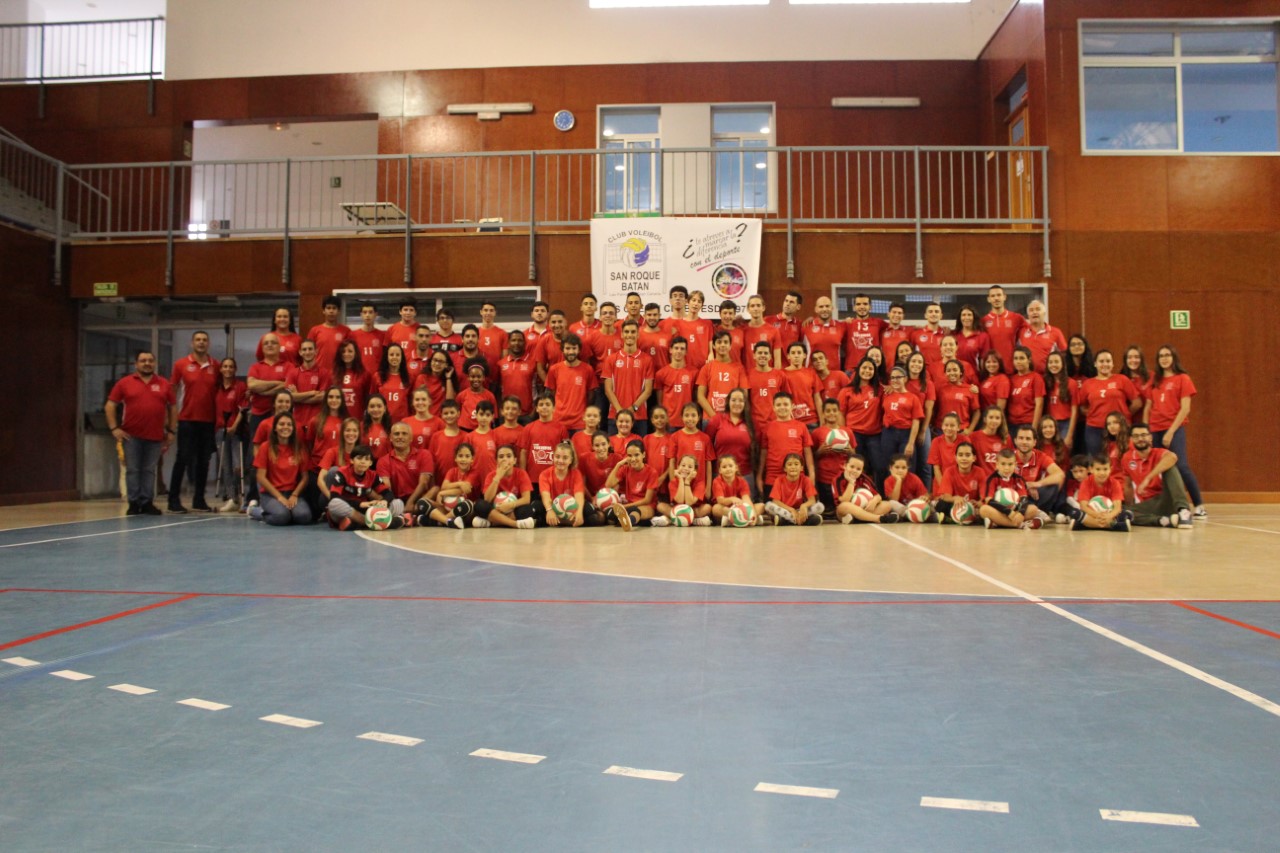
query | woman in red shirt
(393,382)
(957,397)
(327,425)
(290,340)
(919,384)
(1060,396)
(349,375)
(1026,392)
(438,380)
(564,478)
(508,495)
(993,390)
(1168,409)
(990,440)
(860,403)
(972,341)
(1103,394)
(282,472)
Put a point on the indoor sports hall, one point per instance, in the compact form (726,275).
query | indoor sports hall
(197,683)
(191,680)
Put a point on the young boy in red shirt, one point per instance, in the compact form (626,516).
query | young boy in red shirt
(1101,484)
(782,436)
(1006,480)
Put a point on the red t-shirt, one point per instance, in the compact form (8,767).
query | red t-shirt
(900,409)
(493,341)
(829,465)
(778,439)
(516,376)
(467,402)
(958,399)
(674,387)
(1003,330)
(993,389)
(146,405)
(943,453)
(832,384)
(959,484)
(423,430)
(792,493)
(1137,468)
(657,450)
(929,343)
(199,383)
(698,445)
(764,385)
(890,337)
(327,340)
(752,335)
(472,477)
(403,474)
(443,448)
(986,447)
(517,482)
(1024,388)
(542,438)
(285,470)
(860,336)
(355,390)
(1104,396)
(628,371)
(1041,343)
(912,487)
(402,335)
(1110,488)
(633,485)
(281,371)
(788,331)
(730,439)
(1166,396)
(1034,466)
(550,486)
(1057,406)
(861,408)
(803,385)
(309,380)
(436,391)
(737,489)
(972,349)
(599,345)
(375,435)
(229,402)
(370,345)
(572,386)
(397,394)
(719,378)
(995,482)
(824,338)
(595,473)
(656,343)
(513,436)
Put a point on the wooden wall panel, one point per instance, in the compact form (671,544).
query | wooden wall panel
(40,419)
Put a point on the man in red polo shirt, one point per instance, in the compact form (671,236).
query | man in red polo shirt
(589,321)
(893,334)
(628,379)
(654,339)
(492,338)
(1039,337)
(1002,326)
(539,314)
(571,380)
(861,333)
(550,347)
(821,333)
(145,428)
(197,375)
(757,330)
(788,322)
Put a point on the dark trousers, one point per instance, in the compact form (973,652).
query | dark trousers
(195,448)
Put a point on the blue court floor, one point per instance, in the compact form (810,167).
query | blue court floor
(206,683)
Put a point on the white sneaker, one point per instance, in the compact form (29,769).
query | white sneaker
(526,523)
(780,511)
(705,521)
(231,505)
(1201,514)
(818,508)
(480,523)
(846,519)
(1170,521)
(1184,517)
(1061,519)
(724,520)
(659,521)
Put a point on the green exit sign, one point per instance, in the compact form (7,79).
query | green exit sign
(1179,319)
(106,288)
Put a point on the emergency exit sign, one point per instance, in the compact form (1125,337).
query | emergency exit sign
(1179,319)
(106,288)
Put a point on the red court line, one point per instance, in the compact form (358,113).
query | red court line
(647,602)
(1272,634)
(97,621)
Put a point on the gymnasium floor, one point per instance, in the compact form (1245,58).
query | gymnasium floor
(204,682)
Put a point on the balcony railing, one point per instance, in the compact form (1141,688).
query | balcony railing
(125,49)
(532,192)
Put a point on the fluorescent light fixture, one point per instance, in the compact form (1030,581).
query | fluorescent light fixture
(874,103)
(868,2)
(488,112)
(636,4)
(608,131)
(762,165)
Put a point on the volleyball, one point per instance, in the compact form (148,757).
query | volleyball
(837,439)
(919,511)
(378,518)
(504,497)
(1006,498)
(564,505)
(742,515)
(682,515)
(862,497)
(449,501)
(962,512)
(605,498)
(1100,503)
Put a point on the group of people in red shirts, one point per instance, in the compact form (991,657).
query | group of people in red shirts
(645,414)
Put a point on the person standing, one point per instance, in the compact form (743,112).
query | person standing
(1039,337)
(197,375)
(330,333)
(145,428)
(821,333)
(1002,325)
(788,321)
(1168,410)
(862,332)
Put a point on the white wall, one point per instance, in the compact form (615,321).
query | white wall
(246,38)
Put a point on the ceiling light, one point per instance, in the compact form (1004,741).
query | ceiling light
(488,112)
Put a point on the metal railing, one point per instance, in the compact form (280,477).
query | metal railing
(123,49)
(31,189)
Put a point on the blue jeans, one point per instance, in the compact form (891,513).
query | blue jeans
(1093,439)
(920,461)
(141,458)
(869,448)
(277,515)
(1179,446)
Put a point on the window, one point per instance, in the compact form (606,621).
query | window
(741,178)
(1179,88)
(630,177)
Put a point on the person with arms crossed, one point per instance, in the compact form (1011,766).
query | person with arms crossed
(821,333)
(197,377)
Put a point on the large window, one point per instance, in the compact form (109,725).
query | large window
(630,178)
(1179,88)
(741,176)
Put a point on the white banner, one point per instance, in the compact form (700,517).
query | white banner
(651,255)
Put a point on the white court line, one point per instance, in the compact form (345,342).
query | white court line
(1148,817)
(518,757)
(964,805)
(797,790)
(1242,527)
(383,737)
(131,689)
(22,661)
(296,722)
(637,773)
(108,533)
(1185,668)
(71,675)
(203,704)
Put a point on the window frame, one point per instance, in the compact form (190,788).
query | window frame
(1175,61)
(747,143)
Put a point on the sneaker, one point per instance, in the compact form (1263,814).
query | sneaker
(889,517)
(846,519)
(818,508)
(526,523)
(231,505)
(480,523)
(780,512)
(1123,522)
(705,521)
(1184,517)
(1077,524)
(134,509)
(254,511)
(1032,524)
(149,508)
(986,522)
(623,517)
(1169,520)
(460,523)
(1060,519)
(409,520)
(1201,514)
(200,506)
(178,509)
(659,521)
(343,524)
(724,520)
